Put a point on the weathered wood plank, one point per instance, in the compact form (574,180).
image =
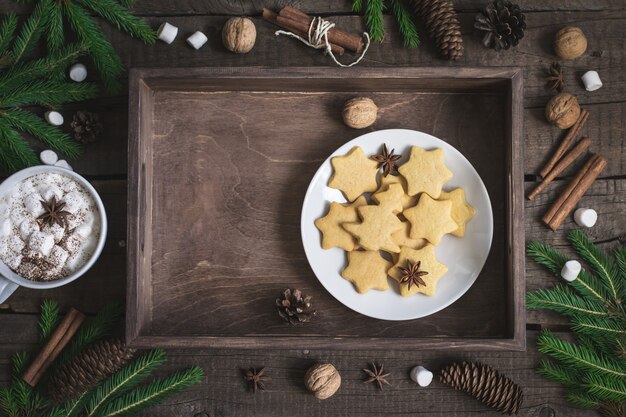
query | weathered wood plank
(223,392)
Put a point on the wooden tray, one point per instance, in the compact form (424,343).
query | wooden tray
(219,161)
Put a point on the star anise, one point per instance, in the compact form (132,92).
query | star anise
(555,79)
(376,375)
(54,213)
(412,275)
(256,378)
(387,160)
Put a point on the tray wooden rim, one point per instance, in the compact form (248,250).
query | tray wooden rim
(139,79)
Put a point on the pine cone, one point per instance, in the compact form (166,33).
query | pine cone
(442,25)
(503,24)
(88,368)
(295,308)
(485,384)
(86,126)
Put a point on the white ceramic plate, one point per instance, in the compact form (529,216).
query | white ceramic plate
(464,257)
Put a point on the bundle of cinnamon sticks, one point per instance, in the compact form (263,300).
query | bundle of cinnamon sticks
(560,160)
(298,22)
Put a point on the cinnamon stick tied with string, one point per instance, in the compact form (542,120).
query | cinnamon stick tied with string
(572,134)
(51,350)
(574,191)
(567,160)
(297,28)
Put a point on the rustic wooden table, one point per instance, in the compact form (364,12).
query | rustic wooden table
(223,392)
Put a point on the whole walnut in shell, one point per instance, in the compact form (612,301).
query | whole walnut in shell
(563,110)
(570,43)
(239,35)
(323,380)
(359,112)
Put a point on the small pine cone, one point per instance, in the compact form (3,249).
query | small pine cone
(485,384)
(86,126)
(442,25)
(502,23)
(295,308)
(88,368)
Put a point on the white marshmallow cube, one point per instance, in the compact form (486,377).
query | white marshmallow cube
(570,270)
(83,231)
(32,202)
(49,191)
(15,244)
(27,227)
(73,201)
(5,227)
(74,262)
(48,157)
(592,81)
(56,231)
(54,118)
(13,261)
(585,217)
(167,33)
(422,376)
(41,243)
(72,244)
(197,40)
(58,256)
(78,72)
(62,163)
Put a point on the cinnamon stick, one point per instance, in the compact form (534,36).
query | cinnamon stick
(58,340)
(574,192)
(566,161)
(569,138)
(272,17)
(350,41)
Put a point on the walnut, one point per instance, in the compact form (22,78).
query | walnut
(563,110)
(359,112)
(570,43)
(323,380)
(239,35)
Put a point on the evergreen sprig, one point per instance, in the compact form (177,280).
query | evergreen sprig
(48,319)
(374,11)
(593,369)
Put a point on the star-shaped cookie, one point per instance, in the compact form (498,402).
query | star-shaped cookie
(402,238)
(374,231)
(391,197)
(462,212)
(385,182)
(430,219)
(425,171)
(367,270)
(354,174)
(333,235)
(428,263)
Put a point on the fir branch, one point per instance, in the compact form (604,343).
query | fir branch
(7,31)
(374,19)
(557,373)
(357,6)
(30,33)
(152,393)
(620,257)
(599,326)
(54,30)
(598,260)
(124,380)
(49,93)
(406,26)
(121,18)
(607,389)
(48,319)
(581,399)
(15,153)
(563,300)
(76,405)
(577,356)
(19,361)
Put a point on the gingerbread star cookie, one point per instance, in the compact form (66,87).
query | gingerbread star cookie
(391,198)
(462,212)
(407,200)
(374,231)
(430,219)
(425,171)
(422,277)
(354,174)
(402,238)
(367,270)
(333,235)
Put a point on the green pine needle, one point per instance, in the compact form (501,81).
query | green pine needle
(557,373)
(599,326)
(14,152)
(374,19)
(581,399)
(152,393)
(406,26)
(49,94)
(75,407)
(562,299)
(118,16)
(357,6)
(124,380)
(30,33)
(7,30)
(55,36)
(48,319)
(607,389)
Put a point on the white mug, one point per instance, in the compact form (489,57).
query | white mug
(9,280)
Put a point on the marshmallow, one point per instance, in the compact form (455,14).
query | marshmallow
(5,227)
(49,191)
(15,244)
(83,230)
(13,261)
(78,72)
(48,157)
(570,270)
(585,217)
(56,231)
(62,163)
(74,201)
(27,227)
(422,376)
(197,40)
(592,81)
(167,33)
(32,202)
(72,244)
(58,256)
(74,262)
(41,242)
(54,118)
